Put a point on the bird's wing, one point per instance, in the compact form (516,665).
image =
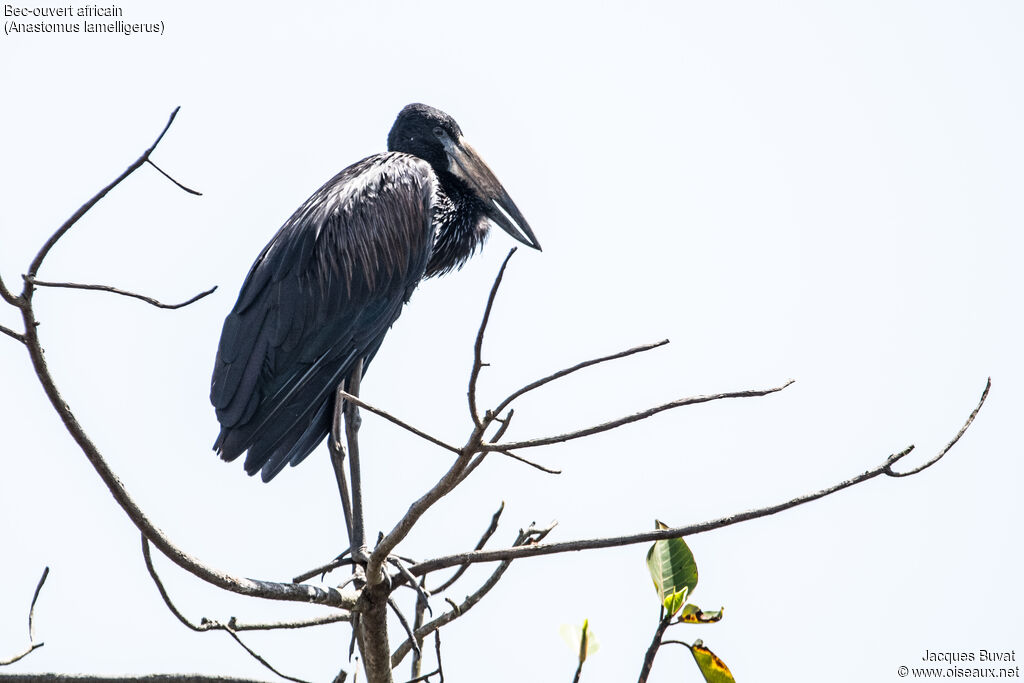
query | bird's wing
(321,296)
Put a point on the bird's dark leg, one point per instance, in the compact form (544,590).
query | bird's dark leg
(338,461)
(352,422)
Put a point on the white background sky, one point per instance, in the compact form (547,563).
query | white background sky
(829,192)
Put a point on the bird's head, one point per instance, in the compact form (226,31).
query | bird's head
(435,137)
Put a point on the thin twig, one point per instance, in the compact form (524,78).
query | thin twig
(531,535)
(168,176)
(478,345)
(579,366)
(37,262)
(324,569)
(32,644)
(437,650)
(677,532)
(416,666)
(479,545)
(357,539)
(504,425)
(531,463)
(394,420)
(949,446)
(9,296)
(644,414)
(405,625)
(262,661)
(477,460)
(12,334)
(114,290)
(422,597)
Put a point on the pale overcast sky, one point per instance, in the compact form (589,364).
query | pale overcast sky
(829,192)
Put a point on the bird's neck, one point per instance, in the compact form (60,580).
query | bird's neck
(459,228)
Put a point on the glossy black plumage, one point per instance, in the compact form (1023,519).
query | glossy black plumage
(329,285)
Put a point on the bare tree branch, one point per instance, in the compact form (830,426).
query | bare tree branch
(340,561)
(168,176)
(478,363)
(405,625)
(12,334)
(579,366)
(530,535)
(480,544)
(439,671)
(949,446)
(32,644)
(644,414)
(244,586)
(679,532)
(394,420)
(261,660)
(232,624)
(531,463)
(114,290)
(8,296)
(37,262)
(444,485)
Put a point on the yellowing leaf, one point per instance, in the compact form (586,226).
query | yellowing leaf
(713,669)
(693,615)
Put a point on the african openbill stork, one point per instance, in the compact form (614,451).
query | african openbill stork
(324,292)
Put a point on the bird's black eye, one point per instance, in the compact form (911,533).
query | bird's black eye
(438,132)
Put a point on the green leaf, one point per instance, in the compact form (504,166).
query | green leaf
(693,615)
(711,667)
(581,641)
(673,569)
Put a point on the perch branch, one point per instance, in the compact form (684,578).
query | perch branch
(114,290)
(679,532)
